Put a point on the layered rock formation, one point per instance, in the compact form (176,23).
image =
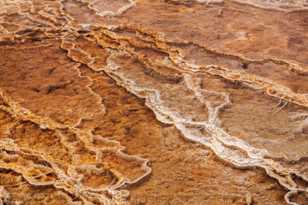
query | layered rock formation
(154,102)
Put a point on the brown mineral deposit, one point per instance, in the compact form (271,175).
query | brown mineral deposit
(154,102)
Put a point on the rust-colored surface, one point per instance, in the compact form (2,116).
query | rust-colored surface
(154,102)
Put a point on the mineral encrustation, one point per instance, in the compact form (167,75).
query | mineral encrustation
(154,102)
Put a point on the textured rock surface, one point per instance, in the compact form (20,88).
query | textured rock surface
(154,102)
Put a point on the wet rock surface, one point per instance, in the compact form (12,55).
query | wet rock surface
(154,102)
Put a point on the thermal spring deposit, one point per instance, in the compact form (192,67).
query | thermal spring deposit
(153,102)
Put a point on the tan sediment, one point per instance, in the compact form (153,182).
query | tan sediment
(210,94)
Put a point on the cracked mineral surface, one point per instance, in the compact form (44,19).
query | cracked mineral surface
(154,102)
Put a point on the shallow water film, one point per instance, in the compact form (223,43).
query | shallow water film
(154,102)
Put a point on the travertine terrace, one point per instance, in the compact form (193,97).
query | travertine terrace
(154,102)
